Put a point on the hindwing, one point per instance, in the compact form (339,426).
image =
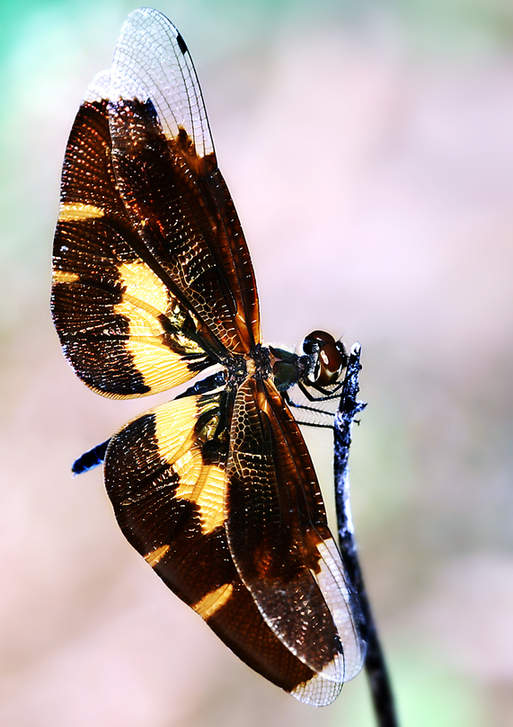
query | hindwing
(168,476)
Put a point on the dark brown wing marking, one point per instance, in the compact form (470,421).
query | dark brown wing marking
(279,538)
(167,175)
(166,476)
(120,326)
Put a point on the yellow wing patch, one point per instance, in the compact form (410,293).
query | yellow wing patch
(159,367)
(145,299)
(174,423)
(207,490)
(155,556)
(203,484)
(61,276)
(75,211)
(213,601)
(141,284)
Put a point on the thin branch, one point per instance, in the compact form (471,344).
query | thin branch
(375,666)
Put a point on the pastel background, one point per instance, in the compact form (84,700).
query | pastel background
(369,150)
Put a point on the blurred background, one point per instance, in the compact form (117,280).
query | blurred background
(369,151)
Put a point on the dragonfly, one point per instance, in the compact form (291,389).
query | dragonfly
(153,286)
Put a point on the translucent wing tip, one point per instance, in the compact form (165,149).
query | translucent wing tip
(99,87)
(151,61)
(140,16)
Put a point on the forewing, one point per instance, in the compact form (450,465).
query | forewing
(168,178)
(166,476)
(152,276)
(121,327)
(279,538)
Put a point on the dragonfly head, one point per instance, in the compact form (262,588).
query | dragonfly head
(328,358)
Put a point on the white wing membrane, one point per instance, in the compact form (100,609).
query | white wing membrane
(99,88)
(332,582)
(151,61)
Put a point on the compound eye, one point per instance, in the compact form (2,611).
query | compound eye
(316,340)
(331,363)
(328,357)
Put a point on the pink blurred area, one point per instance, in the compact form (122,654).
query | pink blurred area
(373,181)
